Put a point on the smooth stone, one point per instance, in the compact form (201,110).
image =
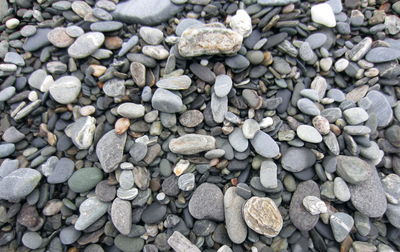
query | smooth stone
(355,115)
(138,72)
(237,62)
(180,243)
(127,194)
(380,106)
(105,192)
(154,213)
(59,37)
(341,224)
(297,159)
(391,185)
(185,23)
(314,205)
(238,141)
(126,179)
(207,203)
(382,54)
(8,166)
(309,134)
(157,52)
(37,78)
(166,101)
(128,244)
(308,107)
(147,12)
(323,14)
(12,135)
(262,215)
(307,54)
(106,26)
(341,190)
(219,107)
(202,72)
(186,182)
(121,215)
(19,184)
(222,85)
(208,40)
(114,87)
(281,65)
(353,169)
(316,40)
(82,132)
(392,134)
(69,235)
(182,82)
(37,41)
(393,214)
(7,93)
(32,240)
(131,110)
(89,212)
(369,197)
(85,179)
(299,216)
(151,35)
(6,149)
(110,150)
(138,151)
(190,144)
(86,44)
(191,118)
(264,145)
(235,225)
(276,2)
(250,127)
(268,174)
(66,89)
(14,58)
(62,171)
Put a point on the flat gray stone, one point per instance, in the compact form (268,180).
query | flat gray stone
(276,2)
(19,184)
(175,83)
(166,101)
(219,107)
(222,85)
(382,54)
(86,44)
(353,169)
(62,171)
(89,212)
(207,202)
(65,89)
(69,235)
(264,145)
(192,144)
(235,225)
(110,149)
(131,110)
(269,174)
(297,159)
(37,41)
(121,215)
(238,141)
(380,107)
(341,224)
(308,134)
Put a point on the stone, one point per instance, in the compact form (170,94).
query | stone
(157,52)
(268,174)
(341,190)
(85,179)
(238,141)
(66,89)
(191,118)
(219,107)
(297,159)
(14,58)
(262,215)
(37,78)
(191,144)
(145,12)
(241,23)
(276,2)
(208,40)
(314,205)
(380,107)
(114,88)
(223,85)
(8,166)
(186,182)
(82,132)
(7,93)
(299,216)
(250,127)
(62,171)
(264,145)
(308,107)
(106,26)
(316,40)
(151,35)
(308,134)
(353,169)
(105,192)
(369,197)
(235,225)
(59,37)
(89,212)
(207,203)
(180,243)
(382,54)
(166,101)
(121,215)
(6,149)
(323,14)
(154,213)
(37,41)
(126,243)
(69,235)
(12,135)
(202,72)
(131,110)
(185,23)
(182,82)
(391,185)
(86,44)
(32,240)
(392,134)
(110,149)
(359,50)
(19,184)
(341,224)
(138,72)
(281,65)
(355,115)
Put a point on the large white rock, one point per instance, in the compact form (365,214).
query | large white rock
(323,14)
(241,23)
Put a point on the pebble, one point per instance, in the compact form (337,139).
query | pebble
(82,132)
(89,212)
(190,144)
(308,107)
(131,110)
(382,54)
(235,225)
(69,235)
(65,89)
(391,185)
(59,37)
(297,159)
(126,243)
(241,23)
(355,115)
(380,107)
(105,192)
(151,35)
(7,93)
(37,41)
(276,2)
(106,26)
(191,118)
(110,149)
(208,40)
(14,58)
(222,86)
(12,135)
(341,224)
(85,179)
(180,243)
(121,215)
(316,40)
(186,182)
(19,184)
(62,171)
(353,169)
(32,240)
(207,203)
(265,145)
(262,215)
(323,14)
(314,205)
(219,107)
(238,140)
(114,88)
(166,101)
(157,52)
(308,134)
(341,189)
(86,45)
(182,82)
(268,174)
(299,216)
(12,23)
(249,128)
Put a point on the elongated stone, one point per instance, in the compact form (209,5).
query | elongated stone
(89,212)
(175,83)
(121,215)
(191,144)
(110,149)
(235,225)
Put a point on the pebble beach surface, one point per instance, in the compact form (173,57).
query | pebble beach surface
(199,125)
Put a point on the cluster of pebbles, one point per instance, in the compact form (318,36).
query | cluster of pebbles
(199,125)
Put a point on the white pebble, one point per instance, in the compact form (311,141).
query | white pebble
(33,96)
(266,122)
(12,23)
(241,23)
(323,14)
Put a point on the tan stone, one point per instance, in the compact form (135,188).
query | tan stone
(262,215)
(122,125)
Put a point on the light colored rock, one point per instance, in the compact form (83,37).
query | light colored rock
(241,23)
(191,144)
(323,14)
(82,131)
(314,205)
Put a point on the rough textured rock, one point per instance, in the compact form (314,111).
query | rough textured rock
(109,150)
(191,144)
(207,203)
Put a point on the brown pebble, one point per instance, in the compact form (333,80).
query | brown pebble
(28,216)
(122,125)
(113,43)
(335,129)
(321,124)
(346,244)
(268,59)
(98,70)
